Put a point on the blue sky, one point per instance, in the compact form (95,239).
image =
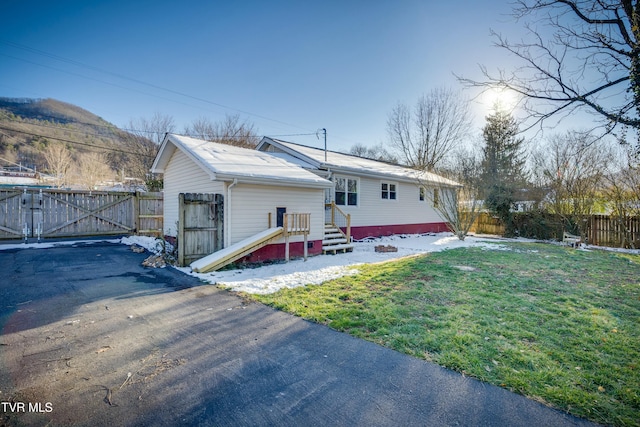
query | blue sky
(289,67)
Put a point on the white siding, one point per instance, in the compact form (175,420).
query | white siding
(251,205)
(182,175)
(373,210)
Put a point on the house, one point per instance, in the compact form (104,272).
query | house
(286,199)
(257,190)
(380,198)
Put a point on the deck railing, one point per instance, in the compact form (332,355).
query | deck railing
(296,223)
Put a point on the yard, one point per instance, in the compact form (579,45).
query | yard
(559,325)
(84,343)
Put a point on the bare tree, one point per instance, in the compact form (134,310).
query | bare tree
(622,192)
(58,159)
(424,135)
(579,54)
(458,197)
(141,143)
(231,130)
(376,152)
(136,155)
(571,167)
(92,169)
(154,128)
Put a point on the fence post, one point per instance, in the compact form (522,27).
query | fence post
(333,212)
(136,211)
(180,237)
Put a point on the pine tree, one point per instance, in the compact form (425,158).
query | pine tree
(503,163)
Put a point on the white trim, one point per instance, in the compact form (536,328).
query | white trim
(388,190)
(358,192)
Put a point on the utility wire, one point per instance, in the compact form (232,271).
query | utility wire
(77,142)
(94,79)
(36,122)
(137,81)
(114,128)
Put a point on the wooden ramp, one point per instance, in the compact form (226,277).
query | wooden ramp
(236,251)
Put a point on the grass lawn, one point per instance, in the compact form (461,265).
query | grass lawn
(561,326)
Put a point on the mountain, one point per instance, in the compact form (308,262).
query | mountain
(29,126)
(50,110)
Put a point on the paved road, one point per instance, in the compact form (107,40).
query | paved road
(77,320)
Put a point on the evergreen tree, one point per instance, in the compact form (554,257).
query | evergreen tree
(503,163)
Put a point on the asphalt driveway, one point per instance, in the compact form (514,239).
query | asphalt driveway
(91,337)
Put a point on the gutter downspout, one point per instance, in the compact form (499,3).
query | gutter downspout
(228,216)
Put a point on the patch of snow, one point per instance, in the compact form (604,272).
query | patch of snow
(317,269)
(604,248)
(152,244)
(321,268)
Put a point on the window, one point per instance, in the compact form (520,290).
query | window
(435,197)
(346,192)
(388,191)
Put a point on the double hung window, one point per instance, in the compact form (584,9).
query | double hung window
(346,191)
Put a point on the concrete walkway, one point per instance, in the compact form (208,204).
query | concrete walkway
(77,320)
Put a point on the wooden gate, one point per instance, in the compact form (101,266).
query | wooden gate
(69,213)
(34,213)
(12,221)
(150,216)
(200,226)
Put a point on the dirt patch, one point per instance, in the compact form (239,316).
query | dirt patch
(465,268)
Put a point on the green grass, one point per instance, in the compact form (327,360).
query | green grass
(555,324)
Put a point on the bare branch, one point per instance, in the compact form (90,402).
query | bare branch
(425,135)
(590,61)
(231,130)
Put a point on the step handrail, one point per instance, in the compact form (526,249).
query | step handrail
(338,214)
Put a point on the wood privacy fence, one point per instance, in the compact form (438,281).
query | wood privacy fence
(487,224)
(603,230)
(40,213)
(599,230)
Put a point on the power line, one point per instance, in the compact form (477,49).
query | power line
(77,142)
(141,82)
(294,134)
(134,80)
(113,127)
(40,123)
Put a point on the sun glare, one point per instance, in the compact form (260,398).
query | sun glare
(499,98)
